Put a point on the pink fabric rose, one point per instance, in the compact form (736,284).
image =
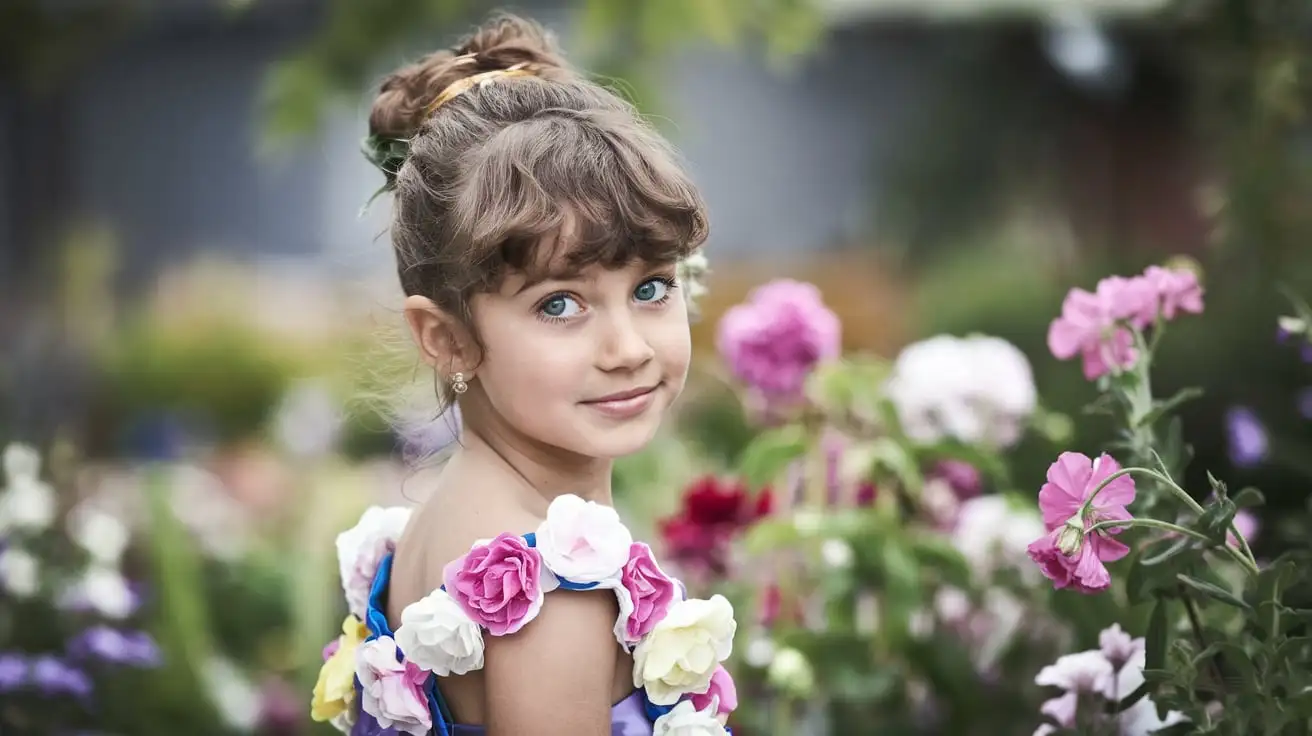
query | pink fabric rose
(1067,554)
(500,584)
(393,692)
(650,590)
(722,690)
(774,340)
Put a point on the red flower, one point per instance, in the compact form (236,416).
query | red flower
(712,514)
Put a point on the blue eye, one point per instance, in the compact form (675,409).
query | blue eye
(560,306)
(653,290)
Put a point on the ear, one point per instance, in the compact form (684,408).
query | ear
(444,342)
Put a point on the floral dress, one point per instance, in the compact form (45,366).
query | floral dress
(379,681)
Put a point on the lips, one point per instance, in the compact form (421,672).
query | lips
(621,396)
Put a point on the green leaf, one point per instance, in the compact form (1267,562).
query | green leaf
(1162,408)
(1217,518)
(1248,497)
(1156,639)
(769,453)
(1218,486)
(1213,591)
(939,555)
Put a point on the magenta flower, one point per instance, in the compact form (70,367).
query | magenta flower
(722,691)
(650,590)
(1092,325)
(1069,555)
(1087,327)
(774,340)
(500,584)
(1176,290)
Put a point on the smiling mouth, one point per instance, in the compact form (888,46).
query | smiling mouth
(624,395)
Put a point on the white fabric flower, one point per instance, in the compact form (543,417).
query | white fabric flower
(436,634)
(583,541)
(681,654)
(27,502)
(19,572)
(686,720)
(976,389)
(361,548)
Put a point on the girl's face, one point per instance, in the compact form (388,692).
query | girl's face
(585,363)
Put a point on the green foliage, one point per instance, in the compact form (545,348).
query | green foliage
(616,39)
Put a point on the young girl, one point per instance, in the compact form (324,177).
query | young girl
(538,224)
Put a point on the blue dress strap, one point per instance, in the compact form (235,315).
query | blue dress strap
(376,622)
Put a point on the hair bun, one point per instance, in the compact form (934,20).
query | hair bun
(502,42)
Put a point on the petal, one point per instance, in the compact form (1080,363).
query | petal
(1090,572)
(1065,339)
(1060,498)
(1062,709)
(1107,549)
(1120,492)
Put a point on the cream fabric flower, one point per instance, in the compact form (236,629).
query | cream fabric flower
(362,547)
(436,634)
(681,654)
(686,720)
(583,541)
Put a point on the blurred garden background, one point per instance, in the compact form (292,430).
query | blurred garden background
(197,320)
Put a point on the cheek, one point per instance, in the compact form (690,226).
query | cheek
(672,344)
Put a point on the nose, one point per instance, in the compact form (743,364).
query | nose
(623,345)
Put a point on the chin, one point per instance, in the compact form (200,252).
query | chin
(617,441)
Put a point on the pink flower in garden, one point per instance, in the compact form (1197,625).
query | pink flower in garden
(500,584)
(1088,325)
(1118,647)
(650,589)
(1068,555)
(775,339)
(1176,289)
(393,692)
(722,690)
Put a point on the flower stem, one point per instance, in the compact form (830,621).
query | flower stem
(1247,564)
(1175,489)
(1197,627)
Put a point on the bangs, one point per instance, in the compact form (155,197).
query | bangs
(566,190)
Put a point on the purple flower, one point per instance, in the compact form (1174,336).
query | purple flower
(13,672)
(54,677)
(135,649)
(963,477)
(774,340)
(1304,402)
(1246,437)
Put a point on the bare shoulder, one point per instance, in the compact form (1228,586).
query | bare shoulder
(559,670)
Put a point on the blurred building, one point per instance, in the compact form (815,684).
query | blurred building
(158,132)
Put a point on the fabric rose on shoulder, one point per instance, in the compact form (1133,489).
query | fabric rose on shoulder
(392,691)
(683,651)
(687,720)
(438,635)
(721,697)
(361,548)
(583,541)
(649,592)
(500,584)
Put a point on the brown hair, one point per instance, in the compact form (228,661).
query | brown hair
(492,172)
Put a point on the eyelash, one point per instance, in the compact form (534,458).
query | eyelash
(669,281)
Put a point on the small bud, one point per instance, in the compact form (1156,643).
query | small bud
(1071,537)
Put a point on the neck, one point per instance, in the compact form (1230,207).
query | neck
(536,473)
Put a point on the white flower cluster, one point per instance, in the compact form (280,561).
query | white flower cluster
(581,545)
(976,389)
(28,507)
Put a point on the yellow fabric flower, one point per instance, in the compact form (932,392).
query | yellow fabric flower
(334,693)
